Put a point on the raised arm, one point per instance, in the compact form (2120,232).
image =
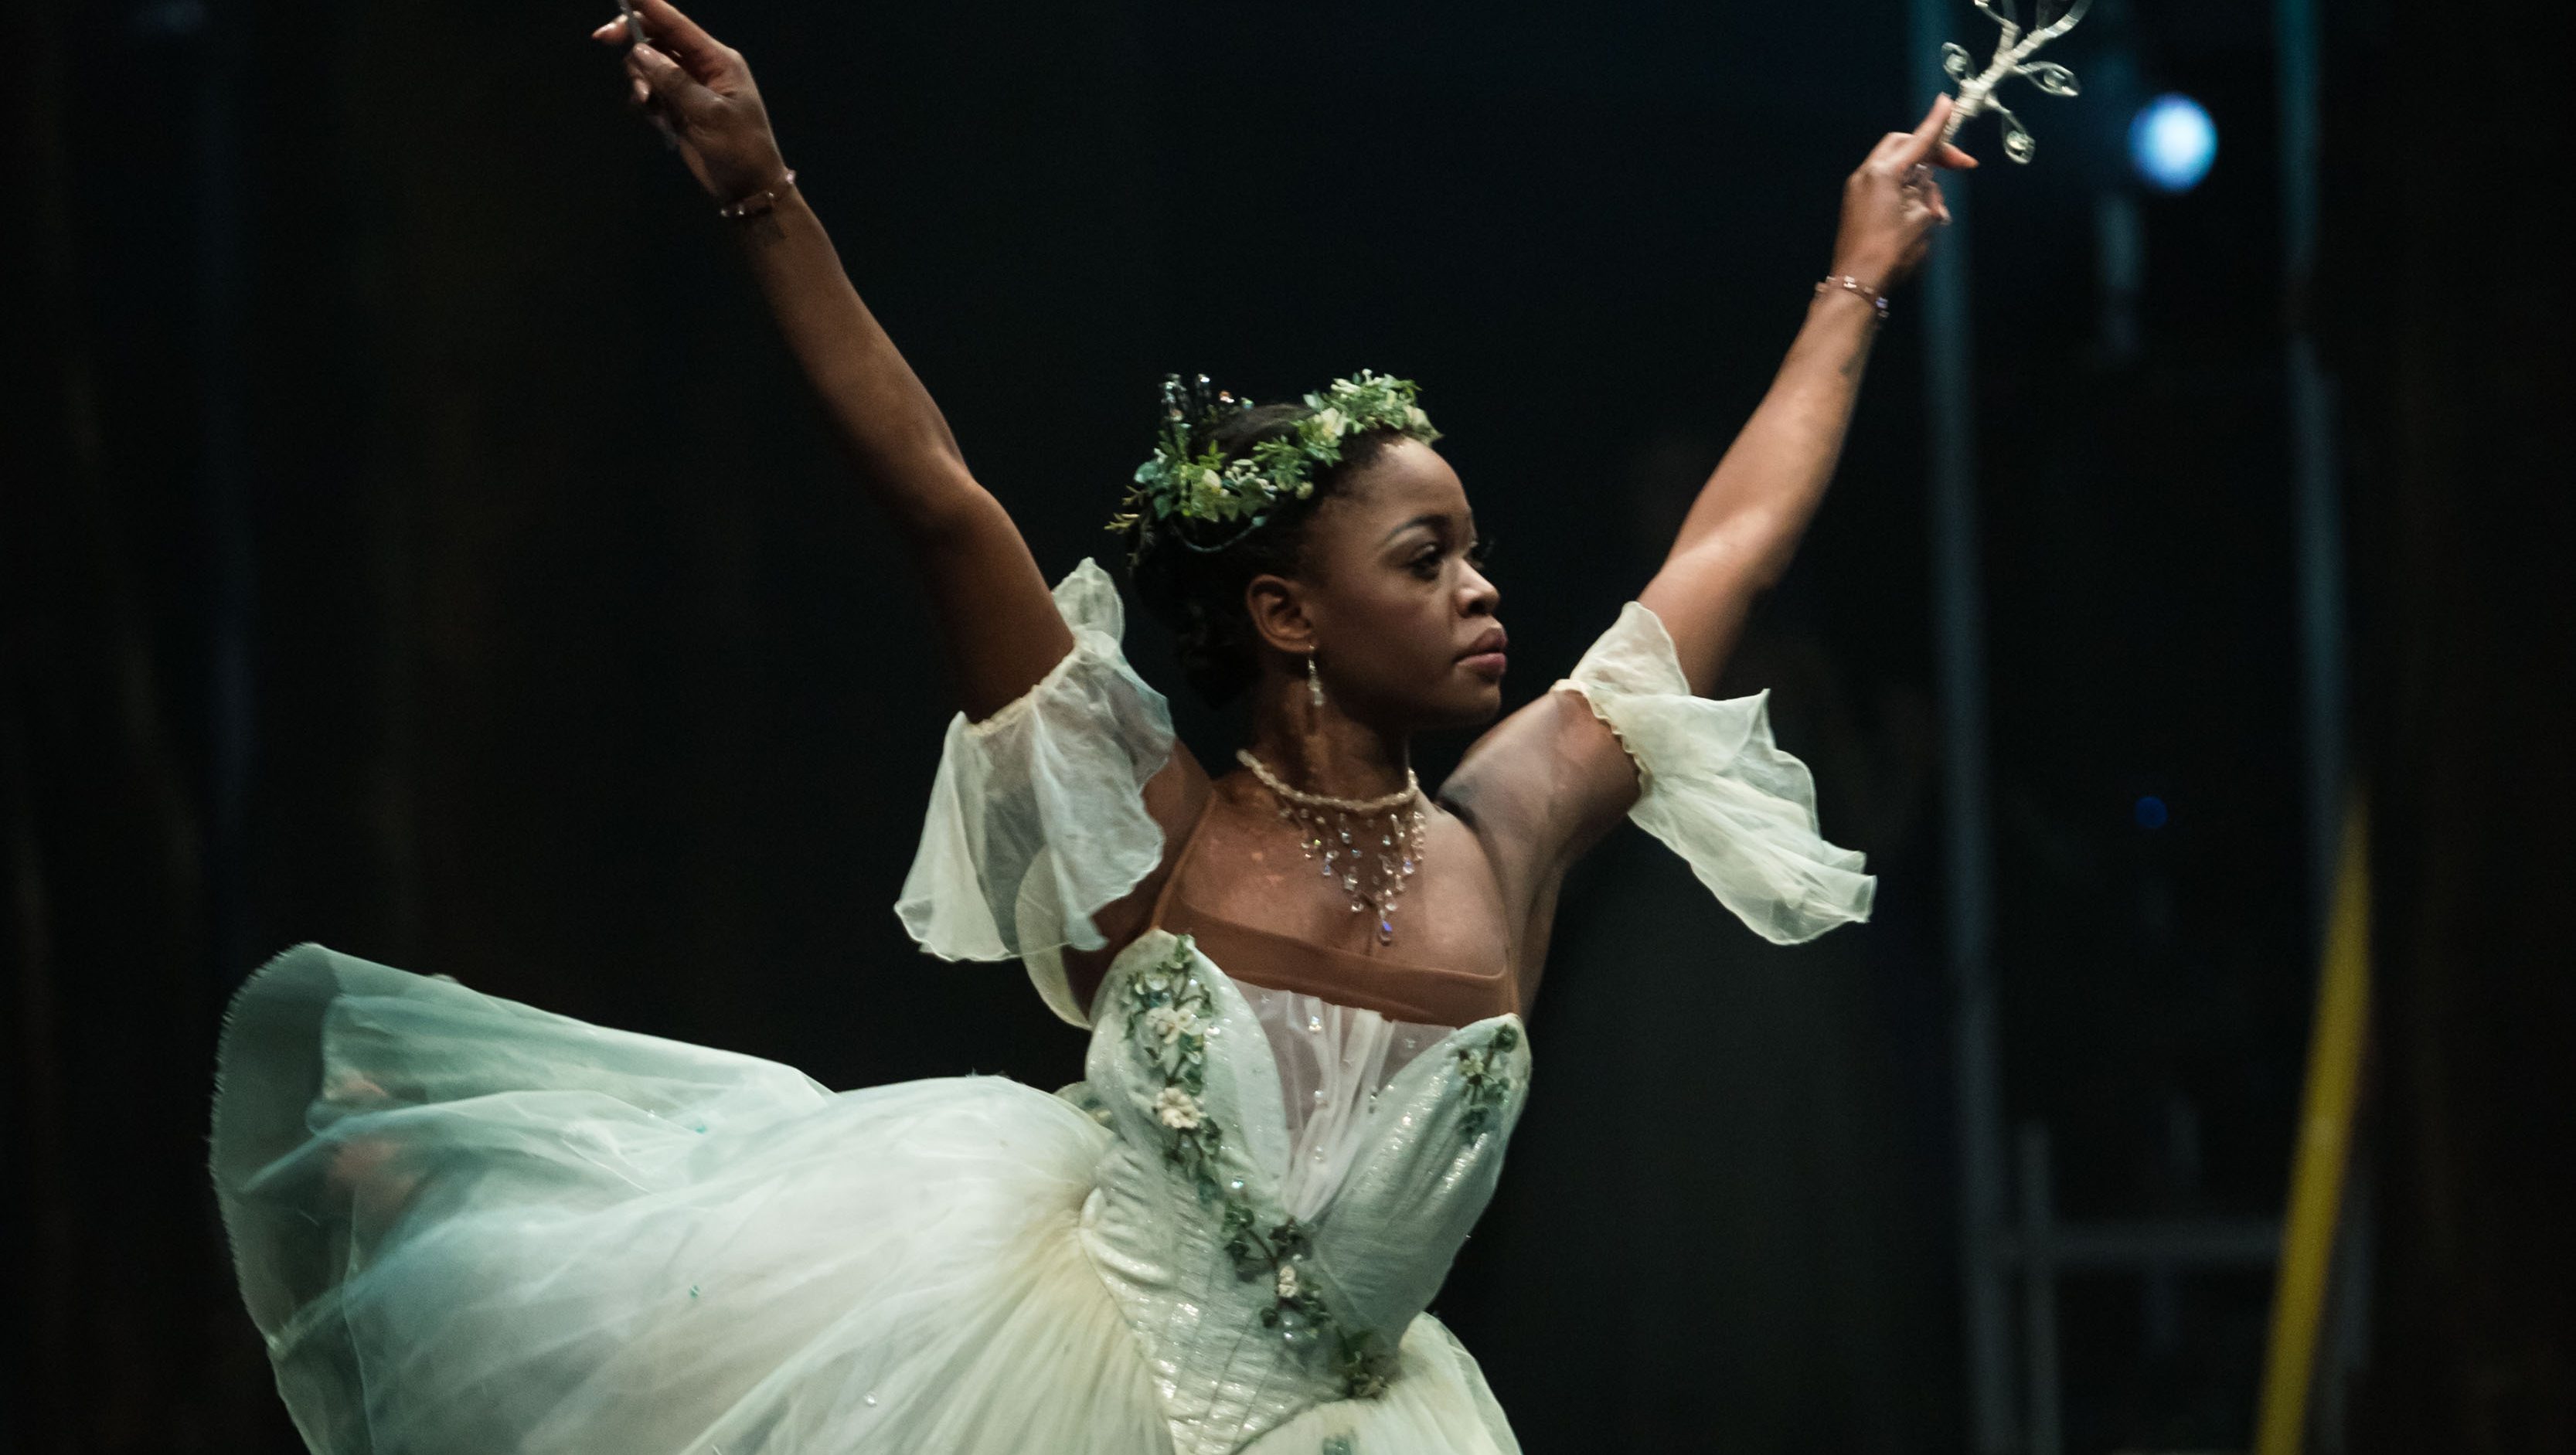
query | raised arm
(1548,782)
(1745,525)
(1000,626)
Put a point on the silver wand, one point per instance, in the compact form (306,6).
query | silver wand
(2012,58)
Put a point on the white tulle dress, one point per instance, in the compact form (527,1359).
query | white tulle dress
(467,1225)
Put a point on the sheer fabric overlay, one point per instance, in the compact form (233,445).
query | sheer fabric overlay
(1333,1062)
(466,1224)
(1717,790)
(1037,816)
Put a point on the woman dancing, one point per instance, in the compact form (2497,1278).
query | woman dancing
(464,1224)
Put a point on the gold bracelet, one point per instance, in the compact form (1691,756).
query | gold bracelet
(760,201)
(1848,282)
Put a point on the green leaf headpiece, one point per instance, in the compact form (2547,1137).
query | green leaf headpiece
(1190,492)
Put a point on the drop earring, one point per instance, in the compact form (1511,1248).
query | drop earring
(1314,683)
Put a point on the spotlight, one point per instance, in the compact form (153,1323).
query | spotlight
(2172,142)
(2150,812)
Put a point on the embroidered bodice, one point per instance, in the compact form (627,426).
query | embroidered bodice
(1268,1249)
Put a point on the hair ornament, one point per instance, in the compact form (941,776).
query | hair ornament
(1190,492)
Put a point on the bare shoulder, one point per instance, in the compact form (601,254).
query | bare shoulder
(1539,788)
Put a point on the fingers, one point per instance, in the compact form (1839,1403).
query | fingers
(665,79)
(1900,150)
(1917,187)
(675,35)
(682,37)
(1918,145)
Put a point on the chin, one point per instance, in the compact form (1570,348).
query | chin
(1473,707)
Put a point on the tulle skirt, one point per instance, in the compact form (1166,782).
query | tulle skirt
(466,1225)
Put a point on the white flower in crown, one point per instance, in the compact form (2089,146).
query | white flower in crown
(1287,1280)
(1186,480)
(1177,1109)
(1246,489)
(1169,1023)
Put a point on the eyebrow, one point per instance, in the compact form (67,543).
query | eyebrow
(1430,518)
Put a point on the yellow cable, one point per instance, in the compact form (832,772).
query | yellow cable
(2325,1148)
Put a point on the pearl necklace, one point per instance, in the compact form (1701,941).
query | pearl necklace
(1342,846)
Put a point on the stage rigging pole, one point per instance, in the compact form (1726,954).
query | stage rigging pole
(2312,456)
(1949,406)
(2329,1227)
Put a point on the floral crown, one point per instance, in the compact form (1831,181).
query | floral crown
(1191,492)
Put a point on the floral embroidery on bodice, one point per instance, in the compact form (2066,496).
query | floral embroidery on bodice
(1247,1311)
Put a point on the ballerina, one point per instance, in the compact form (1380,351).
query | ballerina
(466,1224)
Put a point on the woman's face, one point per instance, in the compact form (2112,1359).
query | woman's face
(1401,620)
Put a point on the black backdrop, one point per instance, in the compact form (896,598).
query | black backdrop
(416,543)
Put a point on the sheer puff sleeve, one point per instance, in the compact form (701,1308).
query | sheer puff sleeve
(1716,790)
(1037,816)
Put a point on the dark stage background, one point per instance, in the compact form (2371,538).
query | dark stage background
(416,542)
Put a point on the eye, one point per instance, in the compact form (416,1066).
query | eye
(1479,551)
(1426,562)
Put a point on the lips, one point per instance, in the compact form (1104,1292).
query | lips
(1485,657)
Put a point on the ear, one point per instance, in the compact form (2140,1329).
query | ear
(1277,606)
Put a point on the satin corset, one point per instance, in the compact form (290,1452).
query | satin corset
(1269,1255)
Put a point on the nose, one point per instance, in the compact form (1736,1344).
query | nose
(1478,595)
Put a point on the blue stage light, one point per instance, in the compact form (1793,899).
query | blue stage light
(2150,812)
(2172,142)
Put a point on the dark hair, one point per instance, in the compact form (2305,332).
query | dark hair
(1198,593)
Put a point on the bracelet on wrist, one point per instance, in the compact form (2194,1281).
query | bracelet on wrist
(1850,284)
(760,201)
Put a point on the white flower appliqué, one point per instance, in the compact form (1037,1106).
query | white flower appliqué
(1287,1280)
(1177,1109)
(1169,1023)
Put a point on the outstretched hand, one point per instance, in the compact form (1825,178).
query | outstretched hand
(701,89)
(1893,202)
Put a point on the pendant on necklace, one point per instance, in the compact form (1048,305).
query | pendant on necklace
(1340,842)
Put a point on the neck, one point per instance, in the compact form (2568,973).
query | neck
(1323,750)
